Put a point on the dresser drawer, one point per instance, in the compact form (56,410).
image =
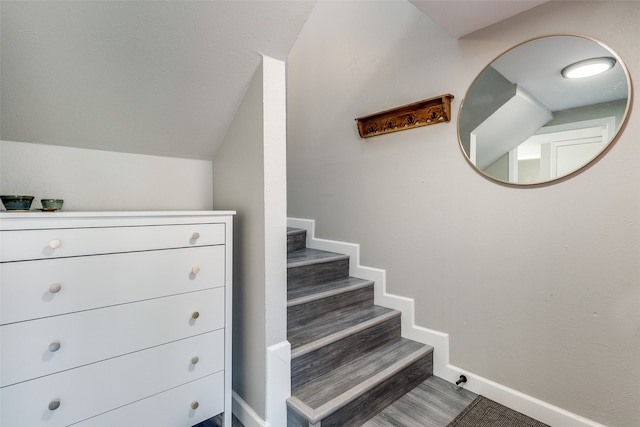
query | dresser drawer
(100,387)
(17,245)
(35,289)
(45,346)
(172,408)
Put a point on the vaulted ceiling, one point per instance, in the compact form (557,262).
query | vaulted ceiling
(157,77)
(151,77)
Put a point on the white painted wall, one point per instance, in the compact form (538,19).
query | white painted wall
(555,317)
(238,180)
(250,175)
(103,180)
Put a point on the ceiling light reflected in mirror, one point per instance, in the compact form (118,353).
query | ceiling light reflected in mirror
(588,67)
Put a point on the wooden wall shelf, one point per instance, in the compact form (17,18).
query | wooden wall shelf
(422,113)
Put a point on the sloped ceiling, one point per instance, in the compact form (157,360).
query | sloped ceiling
(462,17)
(156,77)
(151,77)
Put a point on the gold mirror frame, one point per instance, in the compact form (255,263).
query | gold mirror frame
(505,101)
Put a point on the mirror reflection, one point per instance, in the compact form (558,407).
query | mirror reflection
(535,114)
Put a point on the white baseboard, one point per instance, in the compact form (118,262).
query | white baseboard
(279,380)
(245,413)
(509,397)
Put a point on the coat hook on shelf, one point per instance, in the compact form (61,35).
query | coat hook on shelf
(422,113)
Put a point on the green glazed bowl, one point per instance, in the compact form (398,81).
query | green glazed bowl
(16,203)
(51,204)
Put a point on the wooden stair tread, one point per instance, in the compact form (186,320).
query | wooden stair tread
(308,256)
(326,289)
(333,326)
(324,395)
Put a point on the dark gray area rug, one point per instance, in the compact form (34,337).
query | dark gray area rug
(483,412)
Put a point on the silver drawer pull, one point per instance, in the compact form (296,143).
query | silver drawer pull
(54,404)
(195,360)
(195,315)
(54,288)
(194,404)
(55,244)
(54,346)
(195,236)
(195,270)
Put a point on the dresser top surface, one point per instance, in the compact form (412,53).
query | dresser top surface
(110,214)
(38,219)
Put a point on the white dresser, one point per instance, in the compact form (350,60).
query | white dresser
(115,319)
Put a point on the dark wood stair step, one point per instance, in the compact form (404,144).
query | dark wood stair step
(355,391)
(310,256)
(334,326)
(326,289)
(296,239)
(307,267)
(309,303)
(327,344)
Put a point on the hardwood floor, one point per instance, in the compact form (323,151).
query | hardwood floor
(433,403)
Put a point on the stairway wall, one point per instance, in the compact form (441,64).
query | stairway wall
(537,288)
(249,176)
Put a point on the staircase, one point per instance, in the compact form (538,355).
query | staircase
(348,359)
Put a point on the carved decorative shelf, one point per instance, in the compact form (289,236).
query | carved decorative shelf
(422,113)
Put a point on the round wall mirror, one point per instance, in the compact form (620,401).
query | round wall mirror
(544,109)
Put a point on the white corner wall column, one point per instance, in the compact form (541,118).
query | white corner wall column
(278,351)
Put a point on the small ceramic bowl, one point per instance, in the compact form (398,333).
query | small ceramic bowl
(16,203)
(51,204)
